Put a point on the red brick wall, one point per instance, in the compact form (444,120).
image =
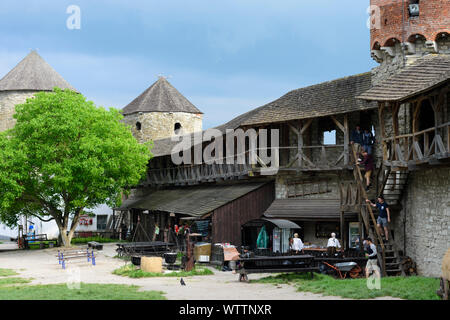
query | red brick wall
(387,17)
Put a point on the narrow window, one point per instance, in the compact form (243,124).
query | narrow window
(138,126)
(177,127)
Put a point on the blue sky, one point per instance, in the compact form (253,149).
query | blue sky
(226,57)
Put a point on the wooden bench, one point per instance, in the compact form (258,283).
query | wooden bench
(95,245)
(66,255)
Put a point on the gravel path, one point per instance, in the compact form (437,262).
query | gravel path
(43,268)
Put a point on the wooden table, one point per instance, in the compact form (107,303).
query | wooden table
(276,264)
(141,248)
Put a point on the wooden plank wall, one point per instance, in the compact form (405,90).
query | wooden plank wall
(228,219)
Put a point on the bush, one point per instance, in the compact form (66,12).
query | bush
(134,272)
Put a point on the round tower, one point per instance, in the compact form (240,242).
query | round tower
(30,76)
(403,30)
(160,112)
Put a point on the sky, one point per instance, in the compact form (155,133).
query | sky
(227,57)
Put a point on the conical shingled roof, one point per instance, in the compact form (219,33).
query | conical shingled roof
(33,73)
(160,97)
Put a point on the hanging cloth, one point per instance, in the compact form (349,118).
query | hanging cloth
(263,239)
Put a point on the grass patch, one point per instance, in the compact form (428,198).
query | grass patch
(12,281)
(15,288)
(132,271)
(411,288)
(7,272)
(86,291)
(96,239)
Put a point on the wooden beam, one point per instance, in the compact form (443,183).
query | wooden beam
(300,144)
(346,140)
(306,126)
(338,124)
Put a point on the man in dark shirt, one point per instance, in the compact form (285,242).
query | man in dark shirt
(368,167)
(367,141)
(356,138)
(384,215)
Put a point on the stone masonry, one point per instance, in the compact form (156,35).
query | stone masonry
(422,228)
(160,125)
(8,101)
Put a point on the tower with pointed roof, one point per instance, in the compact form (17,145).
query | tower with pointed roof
(30,76)
(160,112)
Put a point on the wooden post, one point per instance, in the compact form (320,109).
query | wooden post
(346,140)
(342,229)
(300,144)
(360,225)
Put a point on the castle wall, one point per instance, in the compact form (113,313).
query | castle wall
(159,125)
(422,228)
(8,101)
(390,65)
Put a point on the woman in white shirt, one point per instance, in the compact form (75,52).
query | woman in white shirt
(297,245)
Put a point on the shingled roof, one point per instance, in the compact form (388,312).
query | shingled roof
(194,201)
(163,147)
(161,96)
(327,98)
(33,73)
(424,74)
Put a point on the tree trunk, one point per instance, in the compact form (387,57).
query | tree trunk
(63,222)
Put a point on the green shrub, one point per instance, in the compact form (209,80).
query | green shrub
(132,271)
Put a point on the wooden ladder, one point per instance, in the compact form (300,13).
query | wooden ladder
(367,215)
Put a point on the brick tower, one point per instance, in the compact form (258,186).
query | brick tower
(403,30)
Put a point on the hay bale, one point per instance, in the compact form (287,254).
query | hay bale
(151,264)
(446,265)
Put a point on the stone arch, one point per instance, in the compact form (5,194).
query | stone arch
(416,36)
(376,45)
(442,35)
(391,42)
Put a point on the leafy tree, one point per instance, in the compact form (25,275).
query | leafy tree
(65,156)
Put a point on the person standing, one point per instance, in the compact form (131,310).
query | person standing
(367,141)
(371,256)
(356,138)
(384,216)
(368,168)
(297,244)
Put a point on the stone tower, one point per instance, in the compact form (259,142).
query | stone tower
(30,76)
(404,30)
(161,112)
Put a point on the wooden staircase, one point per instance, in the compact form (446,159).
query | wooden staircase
(388,254)
(393,186)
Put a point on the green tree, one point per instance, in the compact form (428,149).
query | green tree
(65,156)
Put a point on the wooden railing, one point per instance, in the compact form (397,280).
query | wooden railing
(418,147)
(194,174)
(316,157)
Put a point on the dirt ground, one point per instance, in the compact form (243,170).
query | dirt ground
(42,266)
